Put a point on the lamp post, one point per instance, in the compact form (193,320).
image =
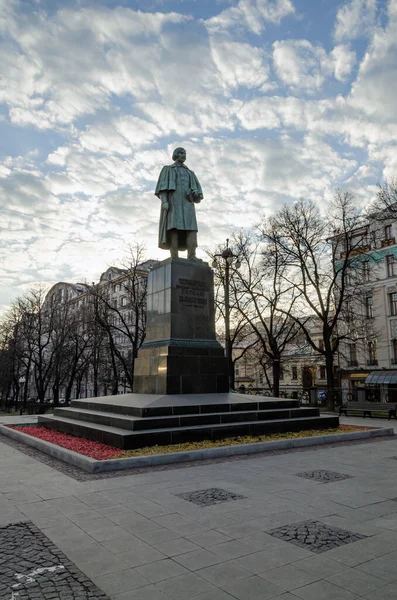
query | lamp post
(22,381)
(228,256)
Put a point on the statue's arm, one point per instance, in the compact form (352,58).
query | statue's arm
(164,200)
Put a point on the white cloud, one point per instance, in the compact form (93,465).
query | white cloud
(239,64)
(356,18)
(58,69)
(304,66)
(343,59)
(375,90)
(251,14)
(300,64)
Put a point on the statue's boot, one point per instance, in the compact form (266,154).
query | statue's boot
(191,242)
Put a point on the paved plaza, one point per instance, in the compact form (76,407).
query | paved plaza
(317,524)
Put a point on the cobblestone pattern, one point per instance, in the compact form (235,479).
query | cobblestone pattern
(33,568)
(315,536)
(324,476)
(81,475)
(209,497)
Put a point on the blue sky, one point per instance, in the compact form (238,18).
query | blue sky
(273,100)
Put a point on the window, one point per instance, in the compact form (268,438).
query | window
(365,270)
(322,372)
(352,355)
(124,301)
(390,265)
(387,232)
(372,359)
(294,372)
(394,351)
(369,302)
(393,303)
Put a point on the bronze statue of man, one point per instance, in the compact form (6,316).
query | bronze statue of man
(179,190)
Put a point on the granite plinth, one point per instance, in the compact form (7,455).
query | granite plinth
(137,420)
(181,354)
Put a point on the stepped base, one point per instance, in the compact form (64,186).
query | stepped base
(137,420)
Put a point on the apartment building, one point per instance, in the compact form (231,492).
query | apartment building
(369,356)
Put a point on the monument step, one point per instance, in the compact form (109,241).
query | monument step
(145,405)
(133,423)
(127,439)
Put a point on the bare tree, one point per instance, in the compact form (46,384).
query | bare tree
(265,300)
(124,319)
(241,340)
(319,254)
(384,206)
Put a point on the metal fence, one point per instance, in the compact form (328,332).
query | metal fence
(318,396)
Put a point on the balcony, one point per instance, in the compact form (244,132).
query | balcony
(357,251)
(388,242)
(352,363)
(372,363)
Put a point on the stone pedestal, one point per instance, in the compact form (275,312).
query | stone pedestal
(180,354)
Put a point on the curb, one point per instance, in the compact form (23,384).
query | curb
(115,464)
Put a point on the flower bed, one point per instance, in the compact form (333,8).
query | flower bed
(100,451)
(89,448)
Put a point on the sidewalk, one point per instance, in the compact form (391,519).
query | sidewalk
(205,532)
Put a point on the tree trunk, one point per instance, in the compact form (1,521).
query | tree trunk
(276,377)
(329,368)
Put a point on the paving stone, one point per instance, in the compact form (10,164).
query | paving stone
(121,581)
(253,588)
(223,573)
(383,567)
(33,568)
(176,547)
(198,559)
(356,581)
(149,592)
(315,536)
(207,539)
(185,586)
(387,592)
(323,590)
(141,555)
(289,577)
(232,549)
(210,496)
(160,570)
(323,476)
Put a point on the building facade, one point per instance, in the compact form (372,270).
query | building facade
(371,351)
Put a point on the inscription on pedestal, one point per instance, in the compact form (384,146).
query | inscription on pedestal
(193,294)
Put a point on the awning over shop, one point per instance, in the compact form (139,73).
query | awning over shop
(382,377)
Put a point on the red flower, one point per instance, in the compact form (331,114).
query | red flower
(89,448)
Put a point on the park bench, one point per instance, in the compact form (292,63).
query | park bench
(366,408)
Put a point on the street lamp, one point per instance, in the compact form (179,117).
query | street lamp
(229,258)
(22,381)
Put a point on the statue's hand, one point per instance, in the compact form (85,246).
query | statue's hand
(165,205)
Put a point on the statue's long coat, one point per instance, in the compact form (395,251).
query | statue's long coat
(178,182)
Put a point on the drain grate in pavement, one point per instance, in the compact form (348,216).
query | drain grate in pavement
(315,536)
(323,476)
(31,566)
(209,497)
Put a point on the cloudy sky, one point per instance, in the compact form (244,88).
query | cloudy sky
(273,100)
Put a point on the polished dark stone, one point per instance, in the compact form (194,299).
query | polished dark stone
(181,354)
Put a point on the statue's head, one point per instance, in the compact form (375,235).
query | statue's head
(179,154)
